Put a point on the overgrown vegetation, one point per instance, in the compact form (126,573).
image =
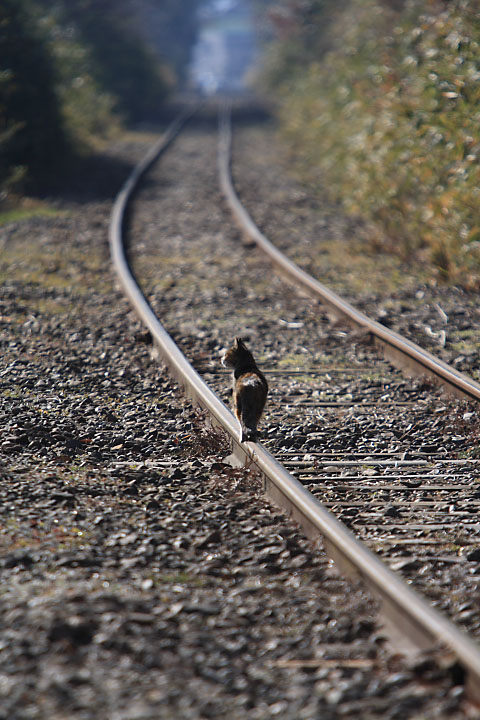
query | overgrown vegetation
(31,123)
(380,104)
(71,71)
(119,60)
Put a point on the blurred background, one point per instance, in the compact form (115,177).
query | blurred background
(74,72)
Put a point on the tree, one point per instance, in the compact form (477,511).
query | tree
(31,126)
(122,62)
(171,27)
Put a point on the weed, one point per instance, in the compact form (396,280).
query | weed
(23,212)
(236,480)
(205,439)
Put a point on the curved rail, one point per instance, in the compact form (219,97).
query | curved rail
(399,350)
(412,623)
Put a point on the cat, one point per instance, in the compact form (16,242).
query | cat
(250,388)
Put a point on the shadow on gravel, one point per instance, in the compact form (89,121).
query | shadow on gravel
(100,176)
(94,178)
(244,112)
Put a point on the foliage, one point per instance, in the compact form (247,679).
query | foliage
(88,109)
(385,114)
(71,71)
(122,64)
(31,125)
(171,27)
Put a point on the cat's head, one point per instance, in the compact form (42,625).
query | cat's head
(237,354)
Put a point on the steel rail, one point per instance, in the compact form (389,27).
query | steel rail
(403,353)
(409,620)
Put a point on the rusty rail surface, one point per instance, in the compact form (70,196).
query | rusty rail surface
(411,622)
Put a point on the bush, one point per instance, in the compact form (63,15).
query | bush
(71,71)
(88,110)
(32,131)
(122,64)
(387,118)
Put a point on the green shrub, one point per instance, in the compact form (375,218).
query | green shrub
(122,64)
(71,71)
(32,131)
(88,110)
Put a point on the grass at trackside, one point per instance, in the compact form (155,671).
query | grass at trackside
(25,209)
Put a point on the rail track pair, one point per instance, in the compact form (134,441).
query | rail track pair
(411,619)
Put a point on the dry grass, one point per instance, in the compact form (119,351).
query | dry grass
(235,481)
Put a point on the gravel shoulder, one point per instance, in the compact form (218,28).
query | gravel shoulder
(141,576)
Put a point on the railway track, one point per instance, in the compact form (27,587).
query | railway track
(350,433)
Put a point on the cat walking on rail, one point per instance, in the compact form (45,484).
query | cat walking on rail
(250,388)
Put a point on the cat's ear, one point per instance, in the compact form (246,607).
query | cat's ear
(238,342)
